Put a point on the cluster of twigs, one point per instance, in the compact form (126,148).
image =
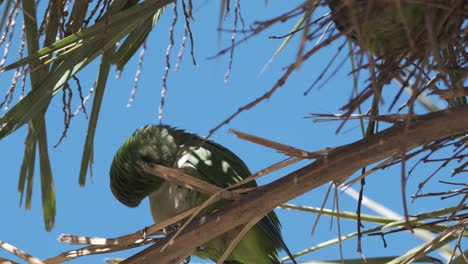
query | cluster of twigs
(420,64)
(430,64)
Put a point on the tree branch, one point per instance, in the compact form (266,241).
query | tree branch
(338,165)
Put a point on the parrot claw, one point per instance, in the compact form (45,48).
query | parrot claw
(144,235)
(170,229)
(201,248)
(187,260)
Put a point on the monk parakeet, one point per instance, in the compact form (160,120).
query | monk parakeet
(399,27)
(380,26)
(199,158)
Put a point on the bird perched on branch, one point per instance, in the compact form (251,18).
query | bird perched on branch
(398,27)
(204,160)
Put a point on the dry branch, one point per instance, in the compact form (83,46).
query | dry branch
(7,261)
(177,176)
(19,253)
(287,150)
(120,243)
(339,165)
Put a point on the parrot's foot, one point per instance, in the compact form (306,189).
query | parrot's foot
(144,234)
(201,248)
(187,260)
(170,229)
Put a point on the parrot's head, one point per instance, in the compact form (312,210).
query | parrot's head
(128,180)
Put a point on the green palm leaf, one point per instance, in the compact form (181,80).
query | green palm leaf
(54,65)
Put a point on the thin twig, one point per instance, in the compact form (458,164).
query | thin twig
(235,241)
(20,253)
(168,63)
(288,150)
(177,176)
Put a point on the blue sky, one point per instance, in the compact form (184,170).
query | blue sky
(197,100)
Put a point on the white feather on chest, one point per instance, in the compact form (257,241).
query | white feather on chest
(170,200)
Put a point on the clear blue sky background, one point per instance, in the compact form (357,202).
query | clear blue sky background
(197,100)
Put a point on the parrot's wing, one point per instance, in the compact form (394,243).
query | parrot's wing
(268,225)
(215,163)
(221,167)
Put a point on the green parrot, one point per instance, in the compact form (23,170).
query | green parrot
(404,27)
(384,25)
(204,160)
